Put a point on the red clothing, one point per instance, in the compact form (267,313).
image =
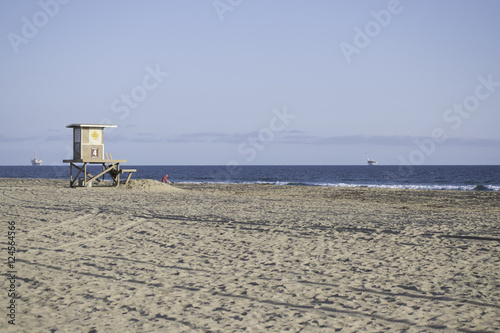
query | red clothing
(164,178)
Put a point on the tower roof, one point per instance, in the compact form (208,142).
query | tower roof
(90,125)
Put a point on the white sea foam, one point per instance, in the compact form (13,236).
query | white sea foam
(494,188)
(418,186)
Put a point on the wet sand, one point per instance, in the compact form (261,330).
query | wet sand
(151,257)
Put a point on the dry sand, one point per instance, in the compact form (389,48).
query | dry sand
(260,258)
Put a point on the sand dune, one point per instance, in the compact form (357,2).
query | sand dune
(149,185)
(152,257)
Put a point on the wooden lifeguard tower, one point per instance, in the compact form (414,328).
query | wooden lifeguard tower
(88,148)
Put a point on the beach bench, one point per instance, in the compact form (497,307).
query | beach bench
(130,172)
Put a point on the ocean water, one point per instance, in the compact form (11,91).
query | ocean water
(465,178)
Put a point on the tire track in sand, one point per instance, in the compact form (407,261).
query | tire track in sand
(79,218)
(116,231)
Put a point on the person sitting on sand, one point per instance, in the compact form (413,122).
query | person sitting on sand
(165,179)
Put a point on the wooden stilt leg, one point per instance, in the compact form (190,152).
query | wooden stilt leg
(118,175)
(71,174)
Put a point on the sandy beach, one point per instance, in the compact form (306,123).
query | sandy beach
(152,257)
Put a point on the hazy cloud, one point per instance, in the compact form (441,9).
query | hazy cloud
(115,138)
(214,137)
(295,137)
(349,139)
(473,142)
(66,137)
(299,137)
(4,138)
(285,137)
(389,140)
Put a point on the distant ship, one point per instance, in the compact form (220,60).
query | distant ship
(370,161)
(36,161)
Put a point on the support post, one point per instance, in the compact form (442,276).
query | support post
(118,175)
(71,174)
(84,174)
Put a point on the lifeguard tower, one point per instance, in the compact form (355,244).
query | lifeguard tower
(88,148)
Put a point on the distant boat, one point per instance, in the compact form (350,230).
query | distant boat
(370,161)
(36,161)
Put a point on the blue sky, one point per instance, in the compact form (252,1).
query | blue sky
(253,82)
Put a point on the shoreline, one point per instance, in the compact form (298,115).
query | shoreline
(460,188)
(229,257)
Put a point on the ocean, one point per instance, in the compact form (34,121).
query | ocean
(463,178)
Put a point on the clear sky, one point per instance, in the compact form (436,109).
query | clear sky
(199,82)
